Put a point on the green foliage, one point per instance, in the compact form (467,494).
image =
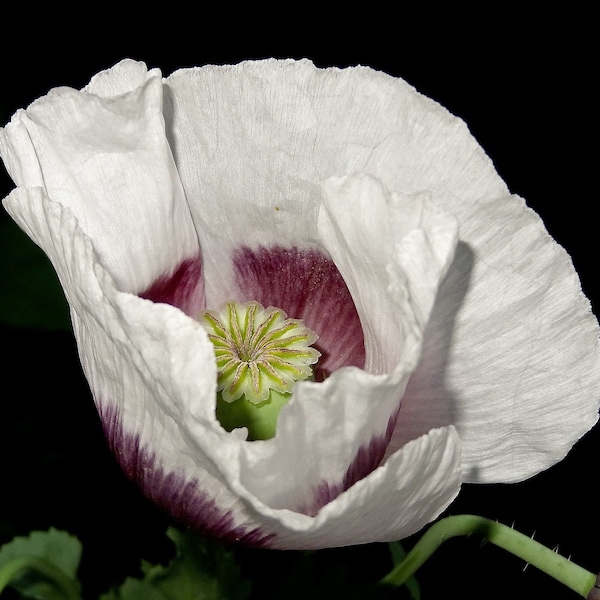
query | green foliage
(135,589)
(42,566)
(200,570)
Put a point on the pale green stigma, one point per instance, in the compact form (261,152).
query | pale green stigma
(260,355)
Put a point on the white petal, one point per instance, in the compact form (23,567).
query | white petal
(395,501)
(253,141)
(108,160)
(148,366)
(124,77)
(151,368)
(257,139)
(362,226)
(334,433)
(233,160)
(511,353)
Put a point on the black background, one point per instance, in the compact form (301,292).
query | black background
(522,84)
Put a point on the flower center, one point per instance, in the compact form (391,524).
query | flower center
(260,355)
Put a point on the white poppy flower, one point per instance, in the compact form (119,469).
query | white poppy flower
(456,344)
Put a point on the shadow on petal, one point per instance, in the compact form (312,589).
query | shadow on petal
(428,402)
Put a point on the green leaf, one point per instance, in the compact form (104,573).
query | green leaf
(31,294)
(398,555)
(201,570)
(57,547)
(135,589)
(54,558)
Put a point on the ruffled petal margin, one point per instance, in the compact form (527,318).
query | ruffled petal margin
(152,373)
(511,355)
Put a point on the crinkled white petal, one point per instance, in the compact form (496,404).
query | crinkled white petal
(511,356)
(124,77)
(362,224)
(148,362)
(326,426)
(254,141)
(155,366)
(511,353)
(108,160)
(395,501)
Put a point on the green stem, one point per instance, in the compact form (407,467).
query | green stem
(560,568)
(42,567)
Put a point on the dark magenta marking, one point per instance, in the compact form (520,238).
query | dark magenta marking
(182,499)
(183,288)
(366,460)
(307,285)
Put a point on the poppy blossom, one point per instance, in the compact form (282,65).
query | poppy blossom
(452,341)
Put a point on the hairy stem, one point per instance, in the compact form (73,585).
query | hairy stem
(560,568)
